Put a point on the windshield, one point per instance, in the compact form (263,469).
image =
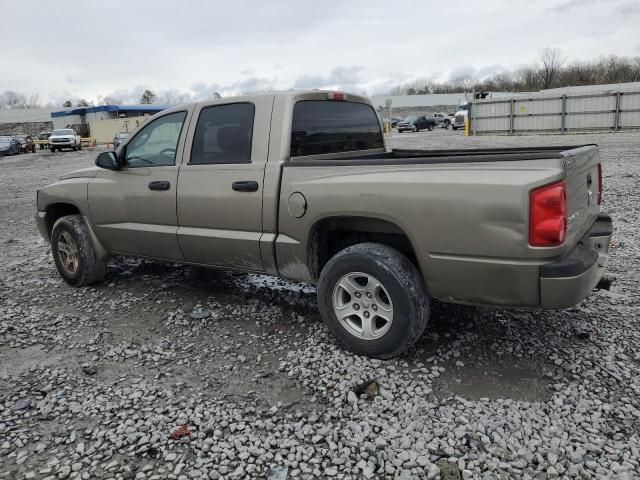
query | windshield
(412,118)
(5,139)
(64,131)
(123,135)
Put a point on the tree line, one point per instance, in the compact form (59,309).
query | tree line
(10,99)
(550,71)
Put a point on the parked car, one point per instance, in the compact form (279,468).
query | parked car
(300,185)
(43,140)
(442,119)
(415,123)
(26,143)
(65,138)
(9,145)
(119,138)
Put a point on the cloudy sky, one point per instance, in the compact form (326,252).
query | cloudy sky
(91,49)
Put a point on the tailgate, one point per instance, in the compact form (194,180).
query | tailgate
(582,179)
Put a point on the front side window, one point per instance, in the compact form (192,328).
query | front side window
(322,126)
(223,134)
(156,144)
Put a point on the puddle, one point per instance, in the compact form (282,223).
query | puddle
(515,382)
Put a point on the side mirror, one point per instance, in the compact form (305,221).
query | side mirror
(108,160)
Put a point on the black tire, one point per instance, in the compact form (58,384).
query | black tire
(80,146)
(90,268)
(52,149)
(406,290)
(74,148)
(430,127)
(453,127)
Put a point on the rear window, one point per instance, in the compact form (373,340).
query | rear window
(321,126)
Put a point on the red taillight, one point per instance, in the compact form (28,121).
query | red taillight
(599,183)
(548,215)
(341,97)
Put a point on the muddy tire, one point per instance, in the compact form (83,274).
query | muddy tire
(73,252)
(373,300)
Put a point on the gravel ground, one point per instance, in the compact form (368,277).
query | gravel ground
(165,371)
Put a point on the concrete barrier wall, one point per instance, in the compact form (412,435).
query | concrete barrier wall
(28,128)
(543,113)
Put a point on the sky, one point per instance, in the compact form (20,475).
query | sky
(95,49)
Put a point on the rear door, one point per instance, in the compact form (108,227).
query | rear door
(220,184)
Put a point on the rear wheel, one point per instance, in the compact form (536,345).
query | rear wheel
(373,299)
(73,252)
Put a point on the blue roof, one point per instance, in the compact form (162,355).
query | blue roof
(111,108)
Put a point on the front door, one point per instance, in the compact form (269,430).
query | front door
(220,184)
(134,208)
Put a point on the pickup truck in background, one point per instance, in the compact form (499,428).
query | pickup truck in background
(299,184)
(65,138)
(442,119)
(415,123)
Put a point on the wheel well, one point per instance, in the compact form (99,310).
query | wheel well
(57,210)
(331,235)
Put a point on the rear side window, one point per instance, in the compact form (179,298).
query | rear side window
(321,126)
(223,134)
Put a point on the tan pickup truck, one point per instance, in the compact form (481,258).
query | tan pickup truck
(300,185)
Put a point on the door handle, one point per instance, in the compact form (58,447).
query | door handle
(159,185)
(245,186)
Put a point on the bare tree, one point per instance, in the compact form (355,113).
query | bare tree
(12,99)
(111,100)
(33,101)
(552,61)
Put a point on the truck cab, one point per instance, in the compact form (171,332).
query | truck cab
(461,115)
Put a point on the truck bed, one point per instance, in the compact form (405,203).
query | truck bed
(417,156)
(465,212)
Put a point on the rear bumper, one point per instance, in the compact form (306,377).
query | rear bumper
(568,281)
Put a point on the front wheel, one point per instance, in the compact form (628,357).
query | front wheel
(73,252)
(373,300)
